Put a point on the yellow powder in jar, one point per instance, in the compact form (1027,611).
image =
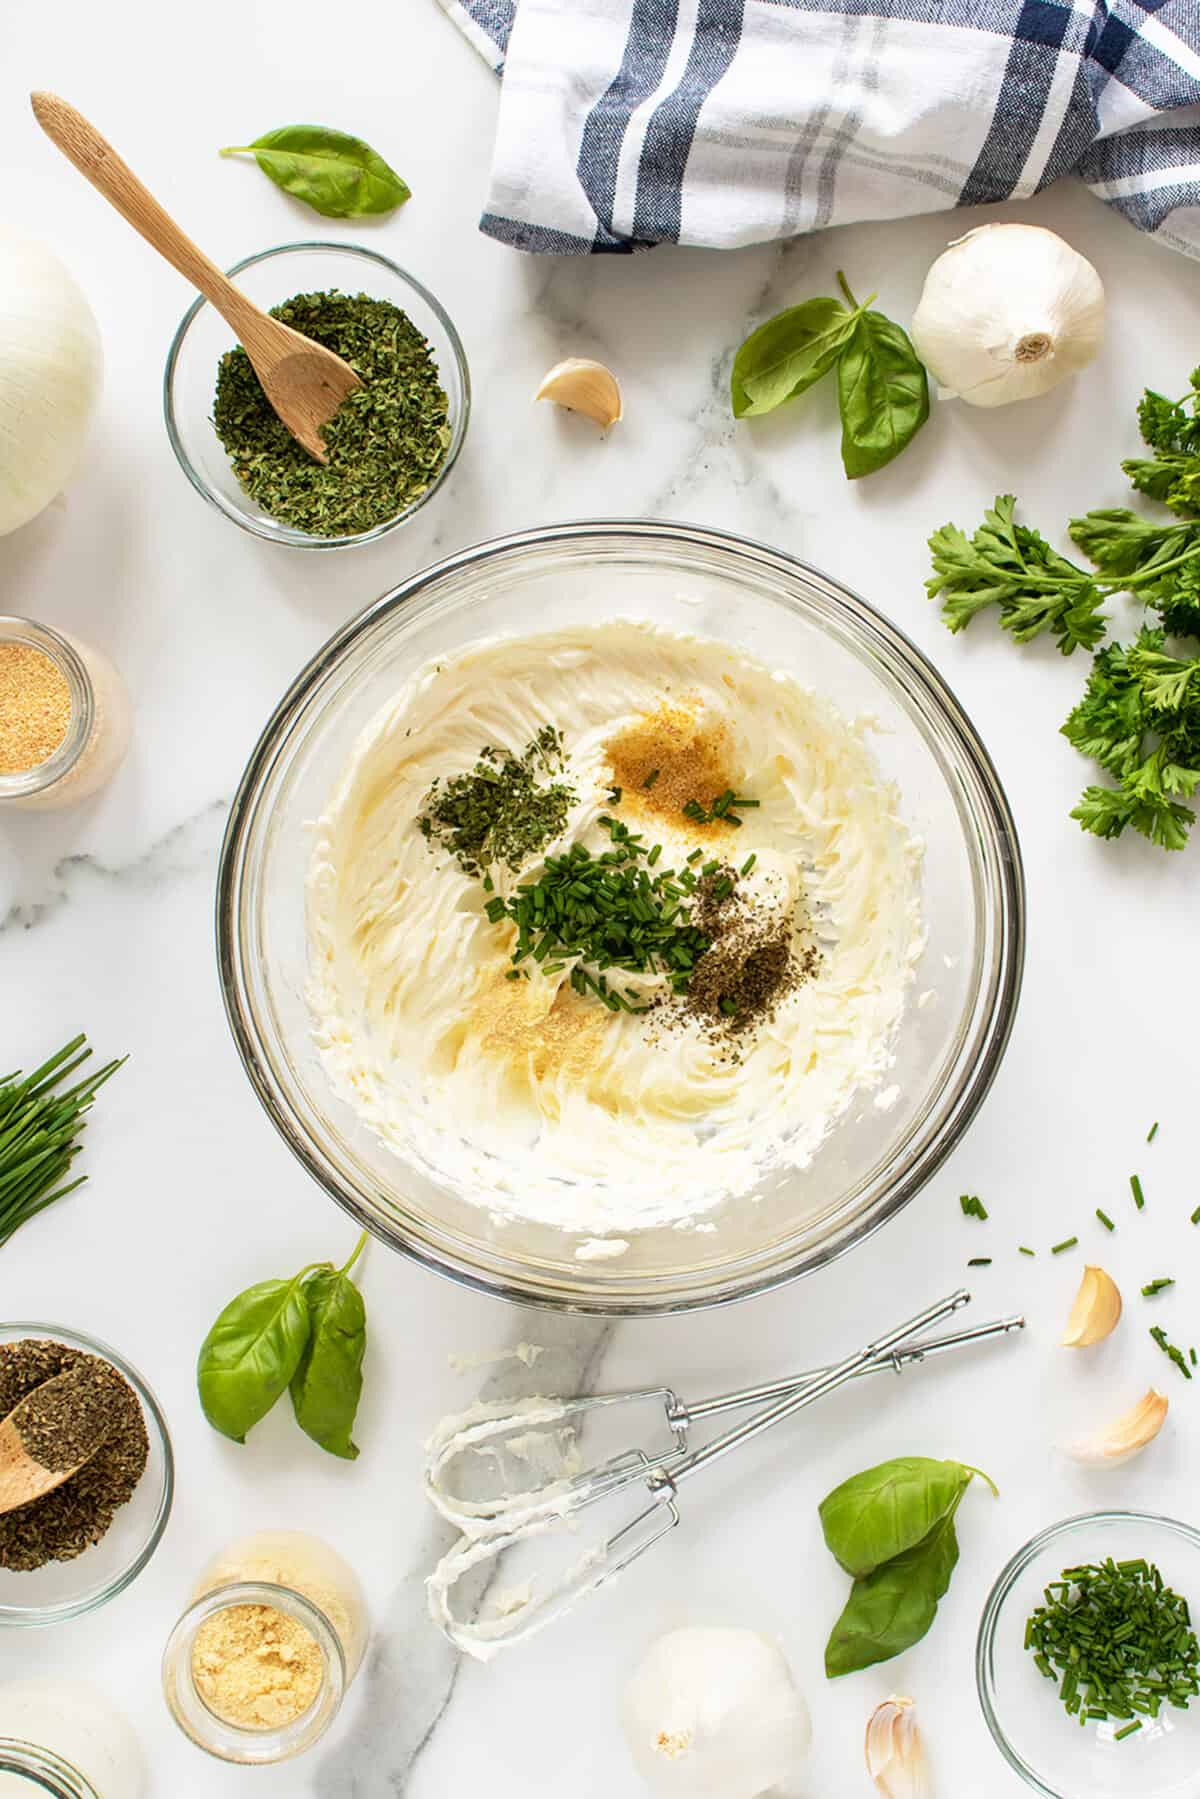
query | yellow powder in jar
(255,1667)
(35,707)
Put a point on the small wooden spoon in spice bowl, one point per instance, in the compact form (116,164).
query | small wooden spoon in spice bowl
(54,1430)
(305,382)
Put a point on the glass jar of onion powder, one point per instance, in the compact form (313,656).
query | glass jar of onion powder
(256,1668)
(64,717)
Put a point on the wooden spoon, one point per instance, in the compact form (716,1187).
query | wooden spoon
(22,1476)
(305,382)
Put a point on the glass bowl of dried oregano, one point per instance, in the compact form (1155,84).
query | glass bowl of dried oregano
(88,1438)
(393,441)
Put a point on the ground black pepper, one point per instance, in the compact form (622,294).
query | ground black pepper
(73,1517)
(752,962)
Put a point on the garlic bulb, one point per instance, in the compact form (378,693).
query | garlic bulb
(895,1753)
(584,386)
(1008,311)
(1125,1437)
(715,1714)
(50,371)
(1096,1311)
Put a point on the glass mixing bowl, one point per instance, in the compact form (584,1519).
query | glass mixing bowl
(1050,1750)
(783,613)
(268,279)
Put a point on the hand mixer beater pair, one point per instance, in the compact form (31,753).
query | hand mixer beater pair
(466,1599)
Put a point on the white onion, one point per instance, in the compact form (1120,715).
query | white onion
(1007,312)
(715,1714)
(50,373)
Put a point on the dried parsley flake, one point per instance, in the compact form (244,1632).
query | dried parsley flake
(385,443)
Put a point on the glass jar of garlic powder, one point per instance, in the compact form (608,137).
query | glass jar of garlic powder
(64,717)
(63,1738)
(256,1668)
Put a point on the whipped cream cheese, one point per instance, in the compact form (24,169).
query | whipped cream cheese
(539,1102)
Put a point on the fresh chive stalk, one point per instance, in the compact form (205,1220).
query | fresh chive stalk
(1105,1220)
(1135,1187)
(39,1133)
(1067,1243)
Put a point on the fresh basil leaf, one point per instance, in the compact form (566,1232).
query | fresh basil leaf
(886,1510)
(891,1608)
(787,354)
(334,173)
(251,1353)
(327,1385)
(883,394)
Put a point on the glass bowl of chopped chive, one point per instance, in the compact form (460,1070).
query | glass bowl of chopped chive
(1088,1661)
(77,1408)
(391,444)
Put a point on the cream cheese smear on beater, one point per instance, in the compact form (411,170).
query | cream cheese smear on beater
(606,923)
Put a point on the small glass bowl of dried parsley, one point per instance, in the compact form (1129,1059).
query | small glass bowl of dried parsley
(391,445)
(1088,1661)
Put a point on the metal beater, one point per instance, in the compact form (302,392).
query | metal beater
(491,1431)
(491,1528)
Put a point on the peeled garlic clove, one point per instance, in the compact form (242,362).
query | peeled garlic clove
(1126,1437)
(895,1753)
(1007,312)
(583,386)
(1096,1310)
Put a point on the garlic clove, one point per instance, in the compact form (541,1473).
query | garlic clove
(1125,1437)
(1007,312)
(584,386)
(1096,1310)
(894,1751)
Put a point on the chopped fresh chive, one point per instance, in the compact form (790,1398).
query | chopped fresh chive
(1135,1187)
(695,855)
(980,1262)
(652,777)
(1126,1730)
(1024,1251)
(1153,1132)
(972,1206)
(1067,1243)
(1153,1287)
(748,864)
(1170,1351)
(1196,1216)
(1192,1355)
(1105,1220)
(614,795)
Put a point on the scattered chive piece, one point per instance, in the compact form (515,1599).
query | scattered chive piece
(1196,1216)
(1168,1348)
(1192,1354)
(748,864)
(1153,1132)
(1153,1287)
(1026,1252)
(1126,1730)
(1135,1187)
(652,777)
(614,795)
(972,1206)
(980,1262)
(1105,1220)
(1067,1243)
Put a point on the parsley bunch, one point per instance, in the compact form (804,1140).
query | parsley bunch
(1139,717)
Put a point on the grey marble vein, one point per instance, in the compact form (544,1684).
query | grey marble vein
(408,1684)
(187,848)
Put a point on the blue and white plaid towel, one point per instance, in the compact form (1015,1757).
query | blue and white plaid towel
(726,122)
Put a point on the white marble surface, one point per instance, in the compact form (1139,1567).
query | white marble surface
(106,916)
